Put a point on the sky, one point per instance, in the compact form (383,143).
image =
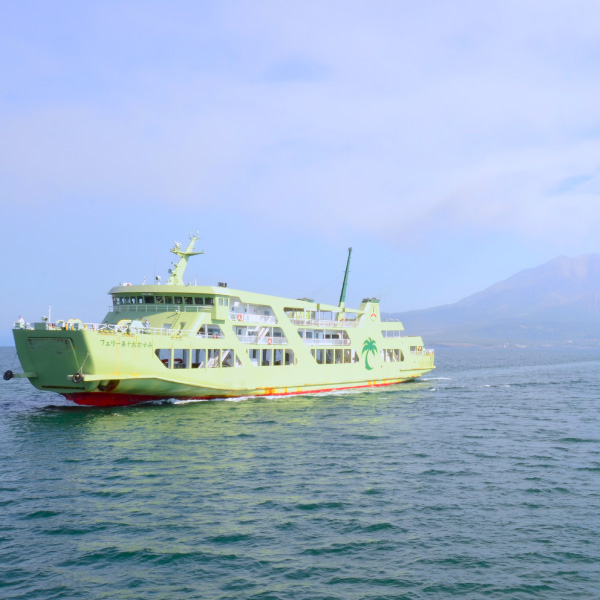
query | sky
(451,144)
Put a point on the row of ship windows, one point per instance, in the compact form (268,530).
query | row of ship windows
(325,356)
(215,331)
(390,333)
(197,300)
(391,355)
(182,358)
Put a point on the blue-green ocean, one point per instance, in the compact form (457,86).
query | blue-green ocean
(482,480)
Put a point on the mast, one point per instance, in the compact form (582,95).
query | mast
(345,284)
(176,277)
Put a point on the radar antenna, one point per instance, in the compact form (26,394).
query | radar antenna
(176,277)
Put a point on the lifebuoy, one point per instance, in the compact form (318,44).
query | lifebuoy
(270,341)
(240,317)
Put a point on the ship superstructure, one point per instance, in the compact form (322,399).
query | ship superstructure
(188,341)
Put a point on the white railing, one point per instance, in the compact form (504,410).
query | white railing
(252,318)
(424,352)
(320,342)
(148,308)
(112,329)
(323,323)
(212,336)
(255,339)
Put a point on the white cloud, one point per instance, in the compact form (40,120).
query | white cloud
(329,116)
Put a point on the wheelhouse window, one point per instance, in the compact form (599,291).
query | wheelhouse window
(198,300)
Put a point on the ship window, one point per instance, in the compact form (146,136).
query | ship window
(199,300)
(159,299)
(226,301)
(209,301)
(355,357)
(168,299)
(220,301)
(309,334)
(396,355)
(329,356)
(140,300)
(177,299)
(149,299)
(227,358)
(320,356)
(277,357)
(213,358)
(253,357)
(198,359)
(266,358)
(180,358)
(347,356)
(313,353)
(188,300)
(238,362)
(164,355)
(401,355)
(389,356)
(339,356)
(211,331)
(289,357)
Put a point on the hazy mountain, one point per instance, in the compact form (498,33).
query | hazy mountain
(555,303)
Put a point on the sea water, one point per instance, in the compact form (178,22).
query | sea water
(481,480)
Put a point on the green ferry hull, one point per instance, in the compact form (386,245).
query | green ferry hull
(203,342)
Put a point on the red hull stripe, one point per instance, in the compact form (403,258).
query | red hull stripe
(112,399)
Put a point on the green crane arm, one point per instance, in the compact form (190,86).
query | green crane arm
(345,284)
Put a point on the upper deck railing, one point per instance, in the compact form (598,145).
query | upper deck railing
(252,318)
(110,329)
(257,339)
(323,323)
(154,308)
(330,342)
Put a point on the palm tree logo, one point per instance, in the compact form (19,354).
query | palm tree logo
(369,347)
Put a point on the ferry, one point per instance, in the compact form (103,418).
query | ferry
(182,341)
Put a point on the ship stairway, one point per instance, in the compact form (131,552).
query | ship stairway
(262,334)
(226,355)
